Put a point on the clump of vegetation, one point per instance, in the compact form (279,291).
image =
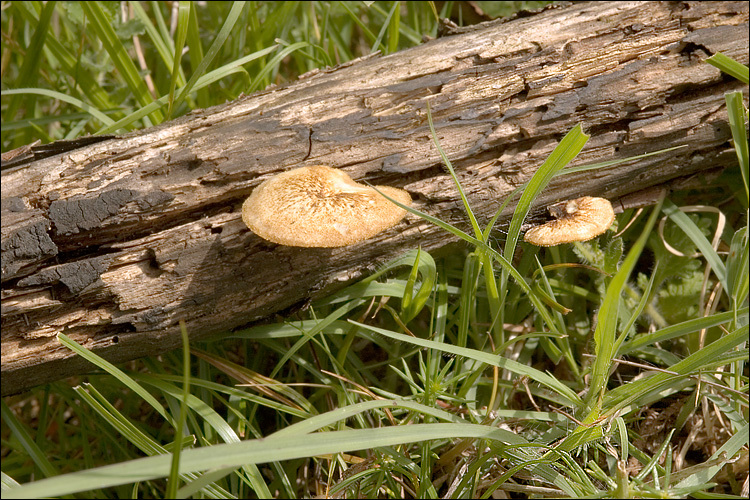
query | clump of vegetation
(615,367)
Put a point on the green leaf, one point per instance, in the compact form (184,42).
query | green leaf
(103,29)
(412,303)
(606,327)
(696,235)
(730,67)
(483,357)
(737,266)
(737,115)
(272,448)
(116,373)
(564,153)
(711,356)
(681,329)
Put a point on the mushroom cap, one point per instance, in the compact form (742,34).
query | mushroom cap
(577,220)
(320,206)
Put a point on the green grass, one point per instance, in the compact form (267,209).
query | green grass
(611,368)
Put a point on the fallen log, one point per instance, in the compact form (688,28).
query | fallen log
(114,242)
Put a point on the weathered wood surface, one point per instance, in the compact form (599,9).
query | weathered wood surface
(114,242)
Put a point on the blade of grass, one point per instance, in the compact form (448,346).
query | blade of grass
(257,451)
(70,65)
(29,72)
(183,20)
(412,303)
(730,67)
(274,62)
(163,45)
(681,329)
(738,262)
(645,298)
(696,235)
(493,294)
(737,119)
(483,357)
(196,55)
(116,373)
(213,51)
(710,356)
(538,303)
(104,30)
(18,431)
(606,327)
(205,80)
(564,153)
(173,483)
(106,120)
(728,450)
(365,30)
(449,166)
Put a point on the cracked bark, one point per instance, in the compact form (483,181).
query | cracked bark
(113,242)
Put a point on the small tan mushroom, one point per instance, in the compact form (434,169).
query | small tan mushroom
(576,220)
(320,207)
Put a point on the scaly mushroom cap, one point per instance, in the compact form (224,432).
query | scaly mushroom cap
(577,220)
(320,207)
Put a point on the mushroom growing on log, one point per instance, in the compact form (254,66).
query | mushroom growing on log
(321,207)
(581,219)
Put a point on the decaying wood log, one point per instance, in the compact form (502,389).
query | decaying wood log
(114,242)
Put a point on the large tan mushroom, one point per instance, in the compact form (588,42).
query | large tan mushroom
(320,206)
(576,220)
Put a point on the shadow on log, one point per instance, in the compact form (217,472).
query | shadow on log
(114,242)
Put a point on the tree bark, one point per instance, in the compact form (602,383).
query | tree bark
(114,242)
